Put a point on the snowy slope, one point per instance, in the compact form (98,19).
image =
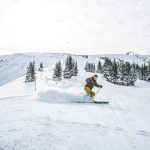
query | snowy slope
(52,118)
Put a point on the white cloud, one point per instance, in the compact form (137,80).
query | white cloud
(79,26)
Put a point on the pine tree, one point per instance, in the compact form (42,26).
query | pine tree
(133,74)
(86,67)
(33,70)
(75,70)
(148,73)
(93,68)
(137,68)
(107,68)
(90,67)
(69,65)
(99,67)
(57,76)
(30,75)
(122,73)
(114,72)
(41,67)
(143,73)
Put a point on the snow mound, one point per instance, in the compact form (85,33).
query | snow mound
(67,95)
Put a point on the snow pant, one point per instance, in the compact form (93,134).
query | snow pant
(89,92)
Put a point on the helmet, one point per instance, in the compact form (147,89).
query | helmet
(96,75)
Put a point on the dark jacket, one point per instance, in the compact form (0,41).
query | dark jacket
(90,82)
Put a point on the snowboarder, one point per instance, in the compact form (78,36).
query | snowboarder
(90,83)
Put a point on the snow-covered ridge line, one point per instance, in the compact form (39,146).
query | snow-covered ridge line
(15,65)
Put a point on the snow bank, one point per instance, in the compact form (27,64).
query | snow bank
(56,94)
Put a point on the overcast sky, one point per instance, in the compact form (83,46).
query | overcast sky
(75,26)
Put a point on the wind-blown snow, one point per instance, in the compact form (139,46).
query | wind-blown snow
(55,94)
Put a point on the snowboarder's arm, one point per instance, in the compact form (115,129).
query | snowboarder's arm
(88,80)
(98,85)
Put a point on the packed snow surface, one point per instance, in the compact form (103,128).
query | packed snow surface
(59,116)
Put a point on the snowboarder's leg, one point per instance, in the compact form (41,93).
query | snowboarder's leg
(92,94)
(87,91)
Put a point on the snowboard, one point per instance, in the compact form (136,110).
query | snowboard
(101,102)
(95,102)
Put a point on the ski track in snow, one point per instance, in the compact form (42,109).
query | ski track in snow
(126,116)
(13,97)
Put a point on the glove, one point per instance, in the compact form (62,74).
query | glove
(100,86)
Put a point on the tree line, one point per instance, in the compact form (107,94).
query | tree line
(120,72)
(70,69)
(117,72)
